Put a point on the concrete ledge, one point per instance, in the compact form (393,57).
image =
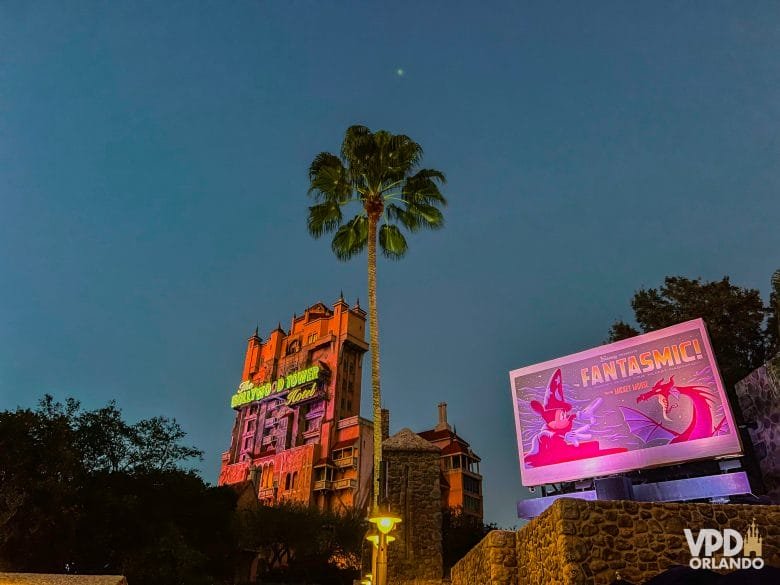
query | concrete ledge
(48,579)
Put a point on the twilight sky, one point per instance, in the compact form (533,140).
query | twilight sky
(153,161)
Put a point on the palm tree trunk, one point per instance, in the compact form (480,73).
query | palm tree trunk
(373,321)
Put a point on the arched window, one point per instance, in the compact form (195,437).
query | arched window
(287,482)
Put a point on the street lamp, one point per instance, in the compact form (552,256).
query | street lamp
(374,538)
(385,521)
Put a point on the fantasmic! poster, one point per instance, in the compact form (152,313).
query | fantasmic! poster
(651,400)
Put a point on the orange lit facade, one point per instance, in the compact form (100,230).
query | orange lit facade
(298,435)
(461,482)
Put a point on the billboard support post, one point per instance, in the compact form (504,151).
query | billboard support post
(614,488)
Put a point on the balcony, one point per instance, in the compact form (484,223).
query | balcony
(347,422)
(323,485)
(345,462)
(345,484)
(266,493)
(312,433)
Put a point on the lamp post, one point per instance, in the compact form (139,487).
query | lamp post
(385,521)
(378,539)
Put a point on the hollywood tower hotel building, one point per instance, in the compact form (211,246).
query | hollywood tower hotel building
(298,435)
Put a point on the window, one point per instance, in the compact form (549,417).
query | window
(312,338)
(247,443)
(287,481)
(456,462)
(470,484)
(471,504)
(250,426)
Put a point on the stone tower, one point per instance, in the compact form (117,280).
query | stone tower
(413,491)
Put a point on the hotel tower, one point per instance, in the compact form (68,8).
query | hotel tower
(298,435)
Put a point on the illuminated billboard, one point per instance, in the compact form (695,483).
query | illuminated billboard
(655,399)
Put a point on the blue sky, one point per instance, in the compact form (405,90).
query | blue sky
(153,185)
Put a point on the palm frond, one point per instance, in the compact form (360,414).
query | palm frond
(351,238)
(407,154)
(423,216)
(394,212)
(329,179)
(323,159)
(357,149)
(378,169)
(323,217)
(392,242)
(422,188)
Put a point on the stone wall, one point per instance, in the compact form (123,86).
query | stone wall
(759,401)
(541,549)
(493,559)
(413,490)
(577,542)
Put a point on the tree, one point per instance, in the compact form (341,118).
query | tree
(379,173)
(40,475)
(103,438)
(773,325)
(460,533)
(85,491)
(302,543)
(735,318)
(157,445)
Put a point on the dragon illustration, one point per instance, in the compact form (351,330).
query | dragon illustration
(701,425)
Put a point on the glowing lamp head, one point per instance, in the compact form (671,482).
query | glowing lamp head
(385,521)
(374,539)
(386,524)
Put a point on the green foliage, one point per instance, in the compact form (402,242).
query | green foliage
(621,330)
(301,544)
(378,172)
(773,324)
(84,490)
(460,533)
(735,317)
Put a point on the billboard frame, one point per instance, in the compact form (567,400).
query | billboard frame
(716,447)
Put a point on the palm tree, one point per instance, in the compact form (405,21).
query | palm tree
(379,173)
(775,297)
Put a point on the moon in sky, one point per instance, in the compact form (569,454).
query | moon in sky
(400,72)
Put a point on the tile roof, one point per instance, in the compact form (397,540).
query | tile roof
(454,447)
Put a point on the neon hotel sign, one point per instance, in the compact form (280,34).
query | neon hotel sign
(300,386)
